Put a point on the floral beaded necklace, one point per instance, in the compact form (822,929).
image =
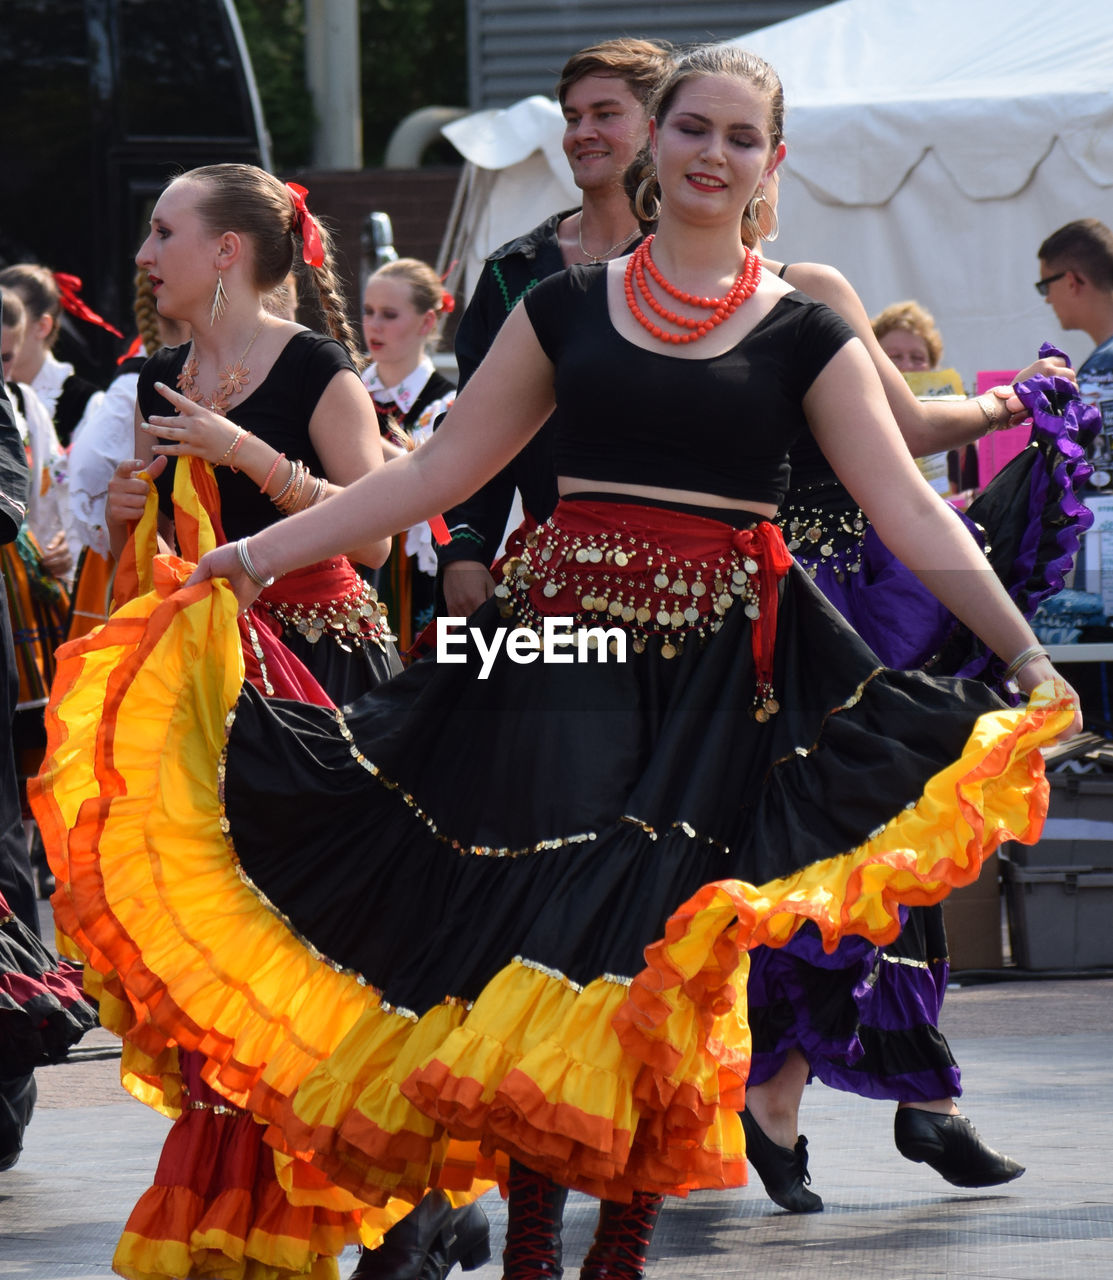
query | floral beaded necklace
(233,378)
(640,264)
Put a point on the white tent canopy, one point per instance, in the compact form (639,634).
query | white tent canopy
(933,144)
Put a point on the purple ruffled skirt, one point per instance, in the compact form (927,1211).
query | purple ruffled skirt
(866,1018)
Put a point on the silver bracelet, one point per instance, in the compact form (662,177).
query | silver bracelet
(1022,659)
(246,565)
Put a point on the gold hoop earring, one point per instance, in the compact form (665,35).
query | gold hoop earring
(774,223)
(220,299)
(640,212)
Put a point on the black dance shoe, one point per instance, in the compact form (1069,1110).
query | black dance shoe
(783,1171)
(428,1243)
(952,1147)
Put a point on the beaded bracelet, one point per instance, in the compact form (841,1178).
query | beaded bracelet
(1022,659)
(270,473)
(249,568)
(236,440)
(235,449)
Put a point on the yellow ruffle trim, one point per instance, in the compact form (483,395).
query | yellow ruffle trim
(535,1069)
(171,1233)
(94,778)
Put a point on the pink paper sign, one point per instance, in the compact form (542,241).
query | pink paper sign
(999,447)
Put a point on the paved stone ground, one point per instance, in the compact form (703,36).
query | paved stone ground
(1037,1057)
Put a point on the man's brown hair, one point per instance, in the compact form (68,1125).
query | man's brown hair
(640,64)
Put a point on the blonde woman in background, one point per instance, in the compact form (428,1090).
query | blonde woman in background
(403,304)
(908,336)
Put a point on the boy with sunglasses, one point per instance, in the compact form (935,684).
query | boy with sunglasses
(1076,279)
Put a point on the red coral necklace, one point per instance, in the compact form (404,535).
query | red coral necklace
(640,263)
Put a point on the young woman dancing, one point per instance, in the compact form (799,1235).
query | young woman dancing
(295,425)
(556,870)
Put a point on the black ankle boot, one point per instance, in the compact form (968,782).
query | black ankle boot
(413,1248)
(471,1239)
(622,1238)
(534,1214)
(428,1248)
(951,1146)
(783,1172)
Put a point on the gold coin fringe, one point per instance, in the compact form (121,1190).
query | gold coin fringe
(619,578)
(358,614)
(835,537)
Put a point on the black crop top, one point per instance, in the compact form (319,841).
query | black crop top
(277,411)
(723,425)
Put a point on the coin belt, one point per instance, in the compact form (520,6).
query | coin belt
(358,614)
(614,578)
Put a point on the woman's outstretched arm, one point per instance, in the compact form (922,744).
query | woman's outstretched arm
(854,427)
(506,401)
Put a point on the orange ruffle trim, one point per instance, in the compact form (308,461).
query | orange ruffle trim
(608,1088)
(225,1204)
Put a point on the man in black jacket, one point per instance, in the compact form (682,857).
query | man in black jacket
(604,92)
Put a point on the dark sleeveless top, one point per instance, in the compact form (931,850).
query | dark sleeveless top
(722,425)
(277,411)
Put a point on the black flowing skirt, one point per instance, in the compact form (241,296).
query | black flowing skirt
(502,907)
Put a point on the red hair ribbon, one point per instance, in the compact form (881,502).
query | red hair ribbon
(448,303)
(312,250)
(136,349)
(68,289)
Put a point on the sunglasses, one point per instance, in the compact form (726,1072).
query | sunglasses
(1043,287)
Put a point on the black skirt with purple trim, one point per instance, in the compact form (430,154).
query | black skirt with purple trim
(866,1018)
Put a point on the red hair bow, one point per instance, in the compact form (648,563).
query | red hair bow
(68,289)
(136,349)
(448,303)
(312,250)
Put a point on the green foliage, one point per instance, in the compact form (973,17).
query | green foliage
(413,54)
(275,34)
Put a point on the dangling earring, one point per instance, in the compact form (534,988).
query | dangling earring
(774,222)
(220,299)
(640,211)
